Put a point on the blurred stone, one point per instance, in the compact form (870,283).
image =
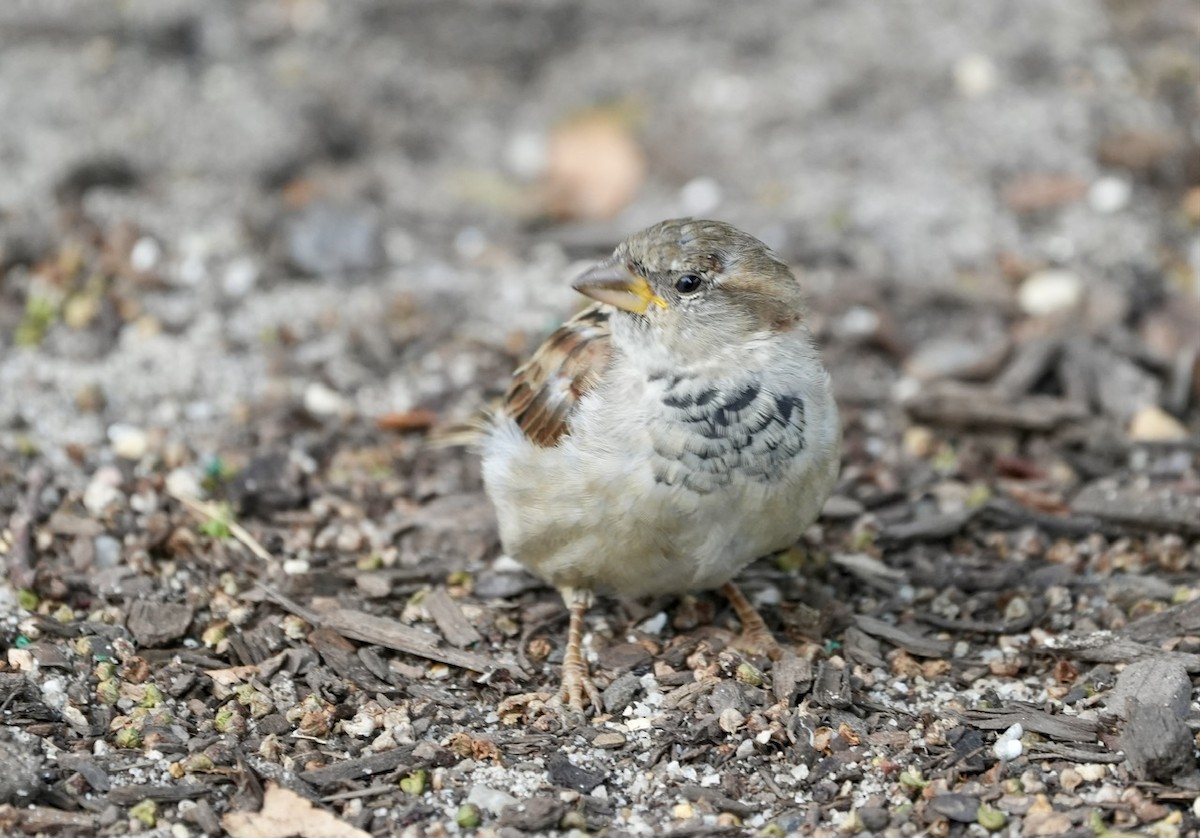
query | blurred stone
(953,357)
(489,799)
(1122,387)
(594,166)
(21,781)
(1049,292)
(327,240)
(320,400)
(108,552)
(145,254)
(155,624)
(271,482)
(128,442)
(103,490)
(240,277)
(974,75)
(1152,424)
(182,482)
(1191,204)
(699,196)
(1109,194)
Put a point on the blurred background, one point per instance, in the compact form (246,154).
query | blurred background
(373,208)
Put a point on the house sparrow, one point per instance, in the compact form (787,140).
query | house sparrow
(670,434)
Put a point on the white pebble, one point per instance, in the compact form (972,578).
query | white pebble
(128,442)
(655,624)
(489,799)
(1109,194)
(102,491)
(745,748)
(183,482)
(470,243)
(240,277)
(700,196)
(320,400)
(858,322)
(1049,292)
(525,154)
(145,254)
(730,719)
(1008,746)
(295,567)
(974,76)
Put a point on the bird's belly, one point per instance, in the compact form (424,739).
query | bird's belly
(607,521)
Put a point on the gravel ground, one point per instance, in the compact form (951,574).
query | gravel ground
(250,253)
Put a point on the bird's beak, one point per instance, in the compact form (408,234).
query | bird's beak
(613,283)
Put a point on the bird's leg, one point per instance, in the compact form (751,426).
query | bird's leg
(575,679)
(755,638)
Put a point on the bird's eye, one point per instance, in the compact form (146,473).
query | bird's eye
(687,284)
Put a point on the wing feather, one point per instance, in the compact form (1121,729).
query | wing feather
(546,390)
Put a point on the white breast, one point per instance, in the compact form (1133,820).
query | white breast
(648,494)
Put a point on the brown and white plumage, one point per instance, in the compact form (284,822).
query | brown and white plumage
(663,439)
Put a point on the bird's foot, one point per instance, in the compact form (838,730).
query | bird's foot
(577,685)
(756,638)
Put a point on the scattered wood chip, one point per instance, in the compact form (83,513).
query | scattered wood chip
(1160,509)
(926,647)
(1176,621)
(356,769)
(928,528)
(977,407)
(791,676)
(395,635)
(285,814)
(342,657)
(1068,728)
(451,621)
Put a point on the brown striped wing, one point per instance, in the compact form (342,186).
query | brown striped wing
(570,363)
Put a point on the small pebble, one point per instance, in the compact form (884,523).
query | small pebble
(974,76)
(1153,424)
(145,254)
(240,277)
(731,719)
(102,491)
(1008,747)
(1050,291)
(609,739)
(320,400)
(295,567)
(1109,194)
(183,482)
(108,552)
(489,799)
(128,442)
(655,624)
(700,196)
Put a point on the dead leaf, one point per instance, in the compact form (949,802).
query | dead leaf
(594,166)
(285,814)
